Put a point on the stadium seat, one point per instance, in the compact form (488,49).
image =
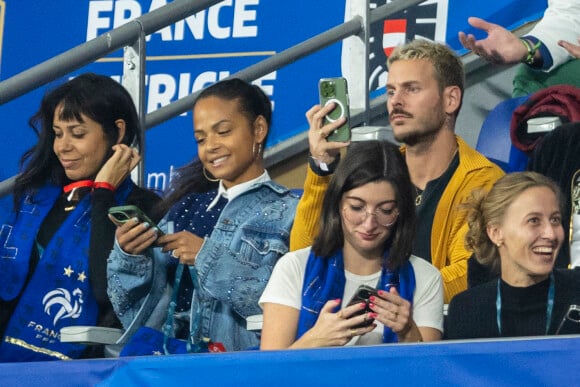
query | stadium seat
(494,137)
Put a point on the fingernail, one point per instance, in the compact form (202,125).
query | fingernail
(381,292)
(337,300)
(371,305)
(372,315)
(372,298)
(362,305)
(145,225)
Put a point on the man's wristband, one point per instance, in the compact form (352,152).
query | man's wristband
(530,59)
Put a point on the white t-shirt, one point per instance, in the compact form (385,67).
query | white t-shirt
(285,288)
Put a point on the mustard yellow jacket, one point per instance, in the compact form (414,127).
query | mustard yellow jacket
(448,252)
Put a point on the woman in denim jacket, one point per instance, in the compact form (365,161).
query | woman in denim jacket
(230,228)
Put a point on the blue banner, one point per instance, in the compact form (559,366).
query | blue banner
(190,54)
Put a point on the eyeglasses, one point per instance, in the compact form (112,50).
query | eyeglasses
(357,214)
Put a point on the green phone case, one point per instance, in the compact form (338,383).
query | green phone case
(336,90)
(124,213)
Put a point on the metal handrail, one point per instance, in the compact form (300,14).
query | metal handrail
(98,47)
(344,30)
(298,143)
(155,20)
(127,34)
(351,27)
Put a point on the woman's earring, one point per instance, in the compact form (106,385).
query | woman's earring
(256,155)
(499,244)
(213,180)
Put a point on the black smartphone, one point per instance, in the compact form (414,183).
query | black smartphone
(122,214)
(336,90)
(362,294)
(570,324)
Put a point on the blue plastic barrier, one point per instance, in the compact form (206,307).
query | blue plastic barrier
(528,362)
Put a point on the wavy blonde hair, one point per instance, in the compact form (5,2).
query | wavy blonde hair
(489,209)
(447,65)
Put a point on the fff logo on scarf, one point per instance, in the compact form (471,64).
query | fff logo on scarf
(63,303)
(60,304)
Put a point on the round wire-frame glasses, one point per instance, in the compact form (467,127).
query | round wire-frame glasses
(358,214)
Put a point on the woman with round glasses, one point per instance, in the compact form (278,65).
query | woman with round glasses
(363,254)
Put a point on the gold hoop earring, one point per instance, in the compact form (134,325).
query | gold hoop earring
(214,180)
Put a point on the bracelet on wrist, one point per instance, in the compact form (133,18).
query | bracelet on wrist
(105,185)
(320,164)
(531,49)
(320,168)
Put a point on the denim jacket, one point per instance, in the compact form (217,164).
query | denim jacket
(233,267)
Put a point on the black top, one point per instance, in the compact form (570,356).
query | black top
(101,244)
(556,156)
(102,239)
(478,274)
(430,198)
(472,313)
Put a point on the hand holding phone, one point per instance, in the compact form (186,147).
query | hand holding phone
(122,214)
(335,90)
(362,294)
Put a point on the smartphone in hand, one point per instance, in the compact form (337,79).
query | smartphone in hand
(362,294)
(122,214)
(336,90)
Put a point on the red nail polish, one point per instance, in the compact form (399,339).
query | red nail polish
(371,305)
(362,305)
(337,300)
(372,298)
(372,315)
(381,292)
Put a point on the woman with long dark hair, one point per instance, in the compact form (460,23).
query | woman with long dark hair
(58,237)
(366,232)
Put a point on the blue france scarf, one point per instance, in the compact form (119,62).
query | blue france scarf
(59,293)
(324,280)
